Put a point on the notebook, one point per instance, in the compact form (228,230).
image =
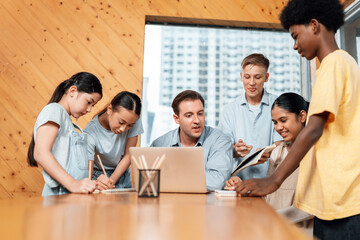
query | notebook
(115,190)
(252,159)
(183,170)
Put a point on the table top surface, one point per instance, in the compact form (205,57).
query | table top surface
(123,215)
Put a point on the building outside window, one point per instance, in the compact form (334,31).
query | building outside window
(349,34)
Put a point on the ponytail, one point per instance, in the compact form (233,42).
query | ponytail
(30,155)
(85,82)
(60,90)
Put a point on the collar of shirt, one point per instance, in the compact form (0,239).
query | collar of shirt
(264,100)
(175,141)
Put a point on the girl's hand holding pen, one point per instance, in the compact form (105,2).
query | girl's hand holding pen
(83,186)
(103,182)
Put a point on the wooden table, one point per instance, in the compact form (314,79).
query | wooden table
(125,216)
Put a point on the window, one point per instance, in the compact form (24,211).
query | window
(213,64)
(350,32)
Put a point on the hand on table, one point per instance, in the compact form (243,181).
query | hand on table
(256,187)
(232,183)
(83,186)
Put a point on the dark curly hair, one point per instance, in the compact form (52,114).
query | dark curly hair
(330,13)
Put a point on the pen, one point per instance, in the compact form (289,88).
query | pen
(102,167)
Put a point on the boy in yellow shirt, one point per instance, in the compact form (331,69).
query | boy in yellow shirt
(329,179)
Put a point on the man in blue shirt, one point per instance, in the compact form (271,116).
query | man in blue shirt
(189,113)
(247,120)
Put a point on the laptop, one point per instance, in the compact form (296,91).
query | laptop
(183,170)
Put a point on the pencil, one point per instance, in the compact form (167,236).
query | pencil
(91,169)
(138,165)
(135,161)
(160,162)
(102,167)
(148,174)
(157,164)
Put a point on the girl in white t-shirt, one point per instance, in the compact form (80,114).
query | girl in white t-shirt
(288,112)
(110,135)
(58,145)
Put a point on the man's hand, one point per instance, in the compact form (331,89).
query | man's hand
(241,149)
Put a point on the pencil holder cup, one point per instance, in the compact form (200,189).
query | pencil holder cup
(149,182)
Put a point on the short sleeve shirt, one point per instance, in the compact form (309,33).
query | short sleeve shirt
(56,113)
(109,146)
(329,177)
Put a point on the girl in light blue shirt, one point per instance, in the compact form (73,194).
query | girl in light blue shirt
(58,145)
(110,135)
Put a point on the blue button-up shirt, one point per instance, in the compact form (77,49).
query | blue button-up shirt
(238,122)
(217,153)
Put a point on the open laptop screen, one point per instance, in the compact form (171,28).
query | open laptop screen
(183,170)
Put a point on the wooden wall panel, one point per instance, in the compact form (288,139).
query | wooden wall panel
(44,42)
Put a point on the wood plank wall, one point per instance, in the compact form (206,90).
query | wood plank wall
(44,42)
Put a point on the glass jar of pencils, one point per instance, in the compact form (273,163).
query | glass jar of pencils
(149,182)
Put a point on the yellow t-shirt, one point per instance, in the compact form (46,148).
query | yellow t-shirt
(329,178)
